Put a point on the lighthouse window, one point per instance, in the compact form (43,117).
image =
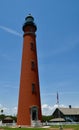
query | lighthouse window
(32,65)
(32,46)
(33,88)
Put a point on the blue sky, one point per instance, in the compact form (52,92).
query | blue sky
(57,46)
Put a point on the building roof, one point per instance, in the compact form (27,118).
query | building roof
(57,120)
(8,118)
(69,111)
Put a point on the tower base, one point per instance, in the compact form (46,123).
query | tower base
(36,123)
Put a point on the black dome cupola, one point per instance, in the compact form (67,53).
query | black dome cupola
(29,21)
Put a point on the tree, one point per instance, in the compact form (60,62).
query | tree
(2,111)
(46,118)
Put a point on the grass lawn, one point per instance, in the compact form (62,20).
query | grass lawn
(8,128)
(74,127)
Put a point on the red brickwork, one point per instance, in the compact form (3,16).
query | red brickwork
(29,77)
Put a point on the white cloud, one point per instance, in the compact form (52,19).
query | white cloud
(14,111)
(9,30)
(8,111)
(48,110)
(5,109)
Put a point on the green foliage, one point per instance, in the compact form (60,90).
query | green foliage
(2,116)
(46,118)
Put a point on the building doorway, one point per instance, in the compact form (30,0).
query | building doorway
(34,113)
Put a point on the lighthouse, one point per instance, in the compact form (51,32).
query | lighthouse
(29,103)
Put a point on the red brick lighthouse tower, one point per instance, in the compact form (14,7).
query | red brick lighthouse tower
(29,105)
